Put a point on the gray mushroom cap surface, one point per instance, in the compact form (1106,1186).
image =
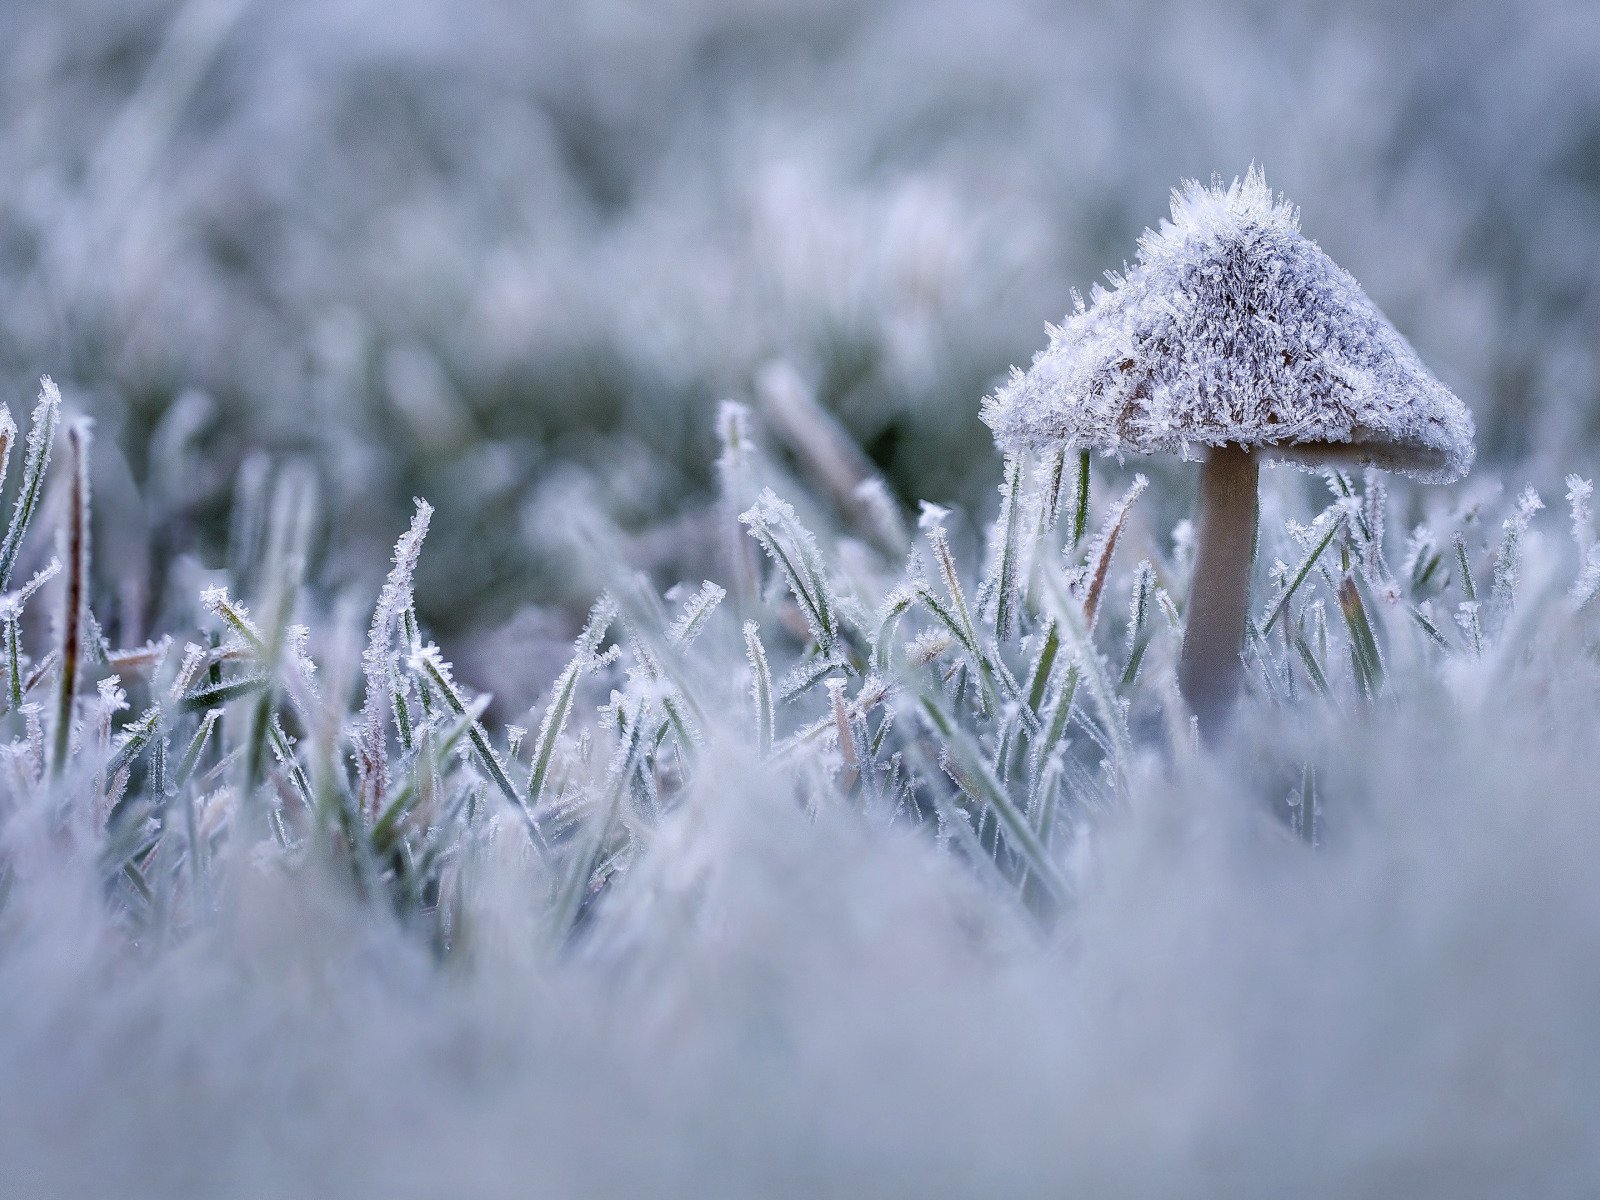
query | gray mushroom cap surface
(1234,328)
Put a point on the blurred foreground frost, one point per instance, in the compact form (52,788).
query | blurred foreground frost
(787,1007)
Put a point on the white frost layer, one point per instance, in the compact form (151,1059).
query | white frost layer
(781,1007)
(1234,327)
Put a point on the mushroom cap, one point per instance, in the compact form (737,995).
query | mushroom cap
(1235,328)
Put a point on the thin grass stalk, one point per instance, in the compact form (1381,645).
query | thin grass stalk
(760,687)
(800,564)
(1108,546)
(13,651)
(581,866)
(1075,637)
(430,665)
(212,695)
(289,761)
(561,695)
(290,536)
(894,608)
(384,685)
(1365,659)
(1468,588)
(974,775)
(136,738)
(1304,569)
(442,747)
(736,478)
(694,615)
(1050,501)
(75,597)
(1043,666)
(41,440)
(247,525)
(1080,512)
(1008,536)
(196,747)
(1508,560)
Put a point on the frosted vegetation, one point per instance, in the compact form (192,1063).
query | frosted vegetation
(888,863)
(731,777)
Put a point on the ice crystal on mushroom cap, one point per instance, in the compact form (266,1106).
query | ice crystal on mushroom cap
(1234,327)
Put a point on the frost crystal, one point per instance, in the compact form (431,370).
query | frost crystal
(1235,328)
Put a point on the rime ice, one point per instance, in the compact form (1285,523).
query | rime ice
(1235,328)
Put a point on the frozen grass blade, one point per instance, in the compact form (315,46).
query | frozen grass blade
(41,439)
(11,608)
(580,867)
(793,550)
(1364,656)
(1007,537)
(1508,561)
(895,606)
(1580,496)
(1080,513)
(214,695)
(1468,616)
(878,515)
(973,774)
(696,612)
(385,684)
(957,618)
(1428,627)
(1043,664)
(1043,804)
(736,478)
(1334,519)
(289,536)
(806,675)
(1423,563)
(1138,634)
(428,662)
(217,601)
(1105,547)
(1580,501)
(561,696)
(1373,506)
(1465,568)
(1076,639)
(283,751)
(13,653)
(760,687)
(1052,477)
(844,737)
(424,769)
(642,620)
(197,745)
(136,738)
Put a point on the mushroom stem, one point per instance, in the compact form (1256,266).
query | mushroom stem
(1219,594)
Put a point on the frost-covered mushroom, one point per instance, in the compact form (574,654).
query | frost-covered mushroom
(1235,333)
